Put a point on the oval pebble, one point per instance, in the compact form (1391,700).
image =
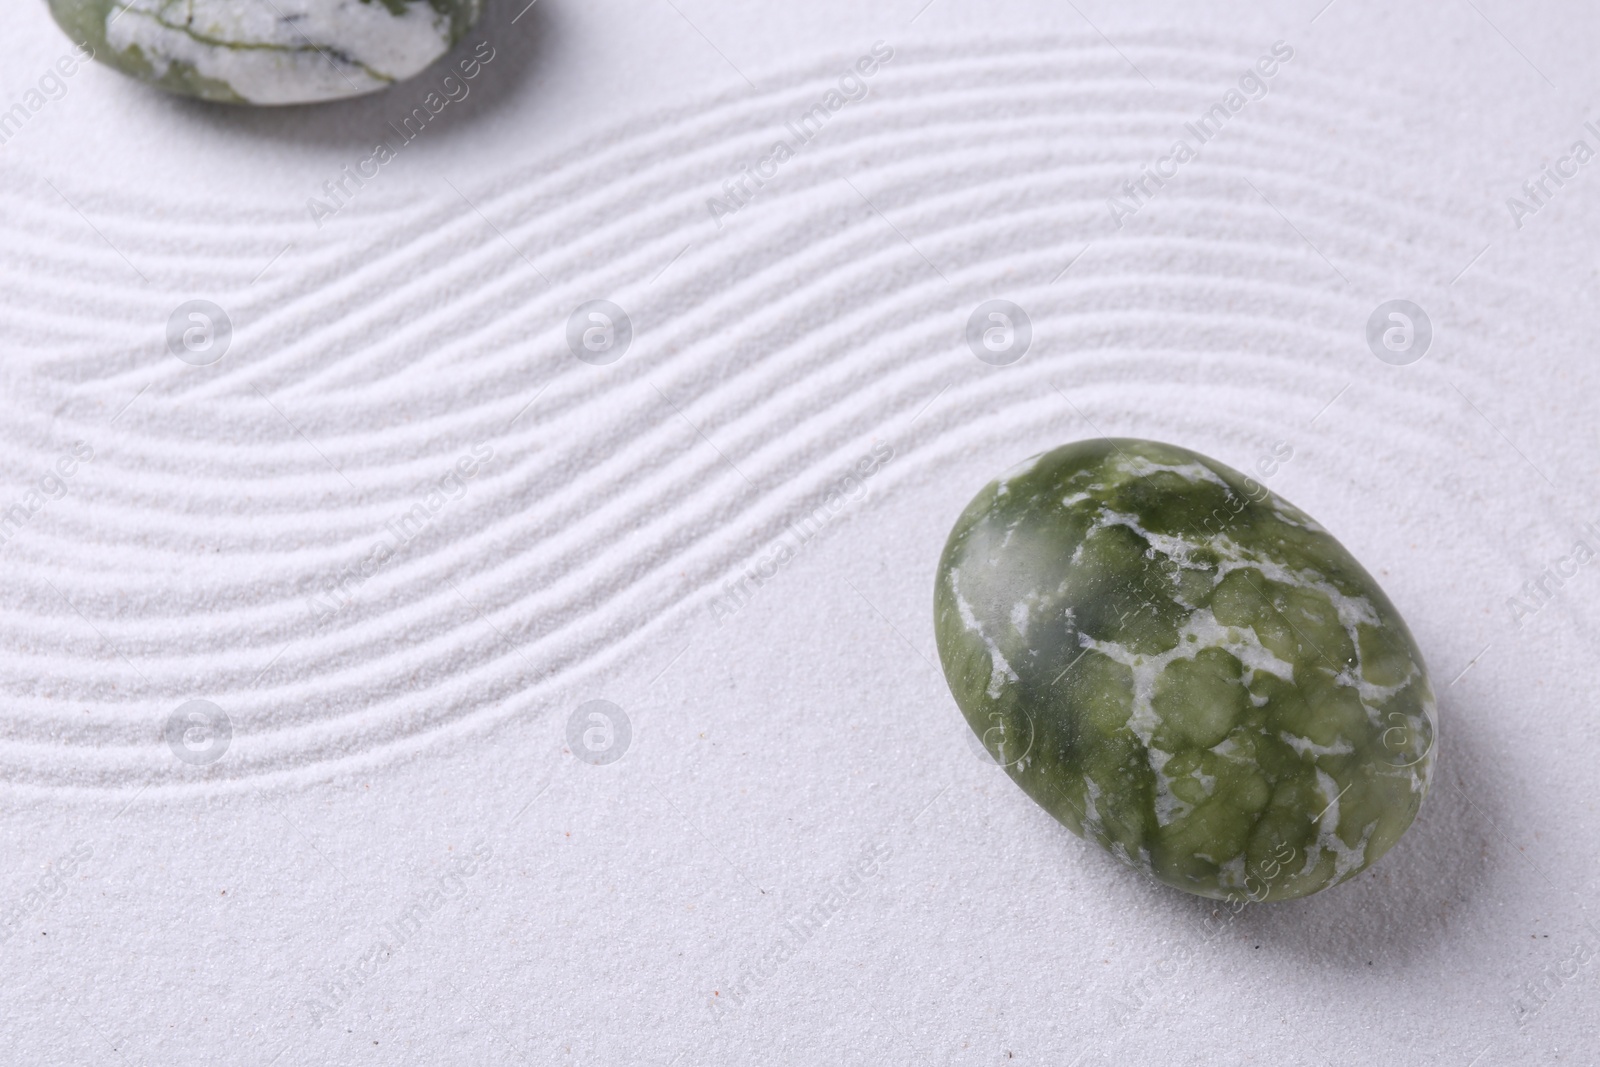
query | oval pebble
(1183,667)
(267,51)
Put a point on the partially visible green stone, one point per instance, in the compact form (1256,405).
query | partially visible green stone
(267,51)
(1182,666)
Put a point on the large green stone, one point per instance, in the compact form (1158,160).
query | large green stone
(1185,668)
(267,51)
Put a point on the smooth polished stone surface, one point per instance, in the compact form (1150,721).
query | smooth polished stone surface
(1180,665)
(267,51)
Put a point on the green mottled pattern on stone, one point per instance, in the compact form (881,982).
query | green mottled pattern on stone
(1185,668)
(267,51)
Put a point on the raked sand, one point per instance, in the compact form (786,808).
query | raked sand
(398,534)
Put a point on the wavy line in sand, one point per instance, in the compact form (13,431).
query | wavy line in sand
(568,584)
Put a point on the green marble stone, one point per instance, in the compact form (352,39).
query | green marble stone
(267,51)
(1182,666)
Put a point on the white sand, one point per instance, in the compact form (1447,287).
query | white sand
(398,773)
